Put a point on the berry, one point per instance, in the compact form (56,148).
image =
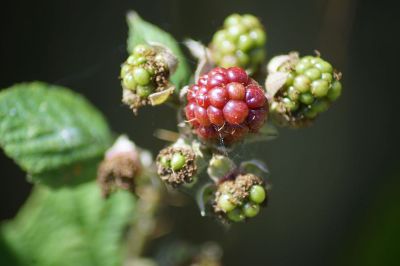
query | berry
(225,203)
(257,194)
(201,116)
(311,86)
(237,74)
(236,215)
(215,115)
(255,97)
(218,97)
(229,106)
(177,161)
(236,91)
(240,43)
(251,209)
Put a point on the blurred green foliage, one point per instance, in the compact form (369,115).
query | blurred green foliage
(67,227)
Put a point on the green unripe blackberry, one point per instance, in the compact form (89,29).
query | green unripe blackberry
(176,164)
(146,72)
(308,88)
(239,198)
(240,42)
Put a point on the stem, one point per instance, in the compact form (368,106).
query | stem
(144,223)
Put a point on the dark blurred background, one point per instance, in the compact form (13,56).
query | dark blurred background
(335,191)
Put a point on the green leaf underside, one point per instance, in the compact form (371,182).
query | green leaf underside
(45,128)
(68,227)
(141,31)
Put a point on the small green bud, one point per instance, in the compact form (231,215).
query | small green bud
(335,91)
(327,76)
(319,88)
(250,21)
(251,209)
(257,194)
(144,91)
(233,19)
(229,61)
(131,59)
(177,161)
(302,83)
(290,79)
(320,105)
(243,58)
(140,60)
(245,43)
(165,162)
(142,77)
(302,67)
(289,104)
(225,203)
(129,82)
(236,215)
(125,69)
(219,36)
(310,113)
(293,93)
(236,30)
(227,47)
(306,98)
(313,73)
(258,35)
(324,66)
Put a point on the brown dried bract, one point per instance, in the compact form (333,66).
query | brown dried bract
(182,176)
(118,172)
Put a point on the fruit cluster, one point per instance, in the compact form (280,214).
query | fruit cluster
(239,43)
(143,73)
(240,198)
(226,104)
(311,86)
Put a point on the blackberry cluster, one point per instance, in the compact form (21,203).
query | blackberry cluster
(240,43)
(311,86)
(143,73)
(238,199)
(226,104)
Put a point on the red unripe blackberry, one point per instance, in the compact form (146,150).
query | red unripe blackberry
(227,104)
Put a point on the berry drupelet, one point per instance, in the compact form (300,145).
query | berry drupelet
(226,104)
(240,42)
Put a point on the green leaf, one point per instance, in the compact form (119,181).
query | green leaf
(52,133)
(68,227)
(141,31)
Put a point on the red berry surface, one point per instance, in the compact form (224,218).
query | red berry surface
(225,105)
